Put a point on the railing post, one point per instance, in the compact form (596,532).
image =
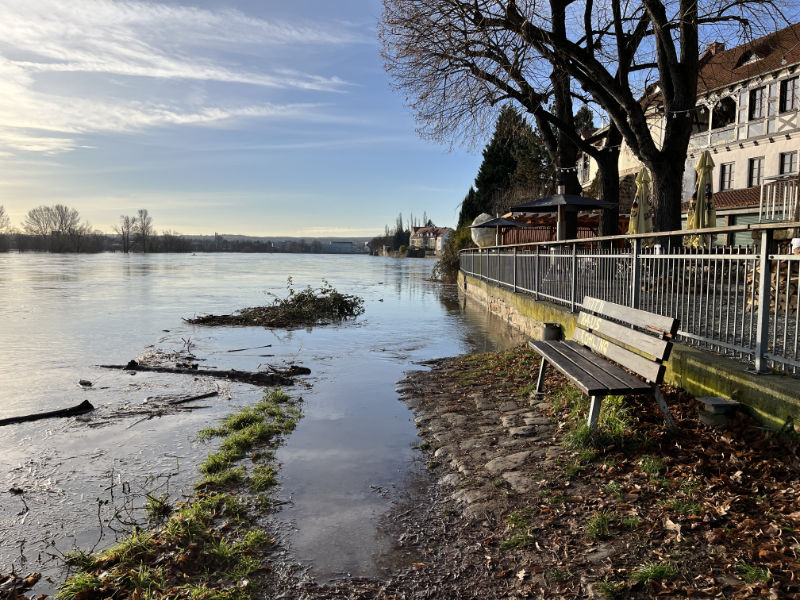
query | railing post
(536,275)
(764,292)
(574,277)
(635,273)
(514,258)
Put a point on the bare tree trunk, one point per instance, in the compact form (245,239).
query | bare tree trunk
(608,165)
(667,191)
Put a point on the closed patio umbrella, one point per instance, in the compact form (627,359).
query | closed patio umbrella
(641,211)
(701,212)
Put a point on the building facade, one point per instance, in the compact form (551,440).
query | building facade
(748,118)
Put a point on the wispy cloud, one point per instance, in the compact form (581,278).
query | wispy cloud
(43,111)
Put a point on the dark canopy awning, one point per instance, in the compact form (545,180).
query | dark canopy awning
(570,202)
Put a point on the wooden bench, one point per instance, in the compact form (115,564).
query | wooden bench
(635,339)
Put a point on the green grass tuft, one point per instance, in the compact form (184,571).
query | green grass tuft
(752,574)
(598,526)
(651,571)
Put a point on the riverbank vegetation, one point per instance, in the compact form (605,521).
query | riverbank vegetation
(305,308)
(211,546)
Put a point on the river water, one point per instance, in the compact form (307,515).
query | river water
(83,478)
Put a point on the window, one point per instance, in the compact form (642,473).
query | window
(725,176)
(788,97)
(788,163)
(756,105)
(755,171)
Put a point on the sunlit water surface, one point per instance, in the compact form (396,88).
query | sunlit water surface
(83,478)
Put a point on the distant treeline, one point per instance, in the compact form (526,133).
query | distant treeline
(58,228)
(167,242)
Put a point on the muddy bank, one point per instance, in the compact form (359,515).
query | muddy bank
(520,511)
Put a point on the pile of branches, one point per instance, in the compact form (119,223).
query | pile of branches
(299,309)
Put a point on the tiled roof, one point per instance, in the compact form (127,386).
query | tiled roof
(428,232)
(741,198)
(730,66)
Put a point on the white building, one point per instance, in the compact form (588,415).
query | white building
(748,117)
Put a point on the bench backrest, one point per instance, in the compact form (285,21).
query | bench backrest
(635,339)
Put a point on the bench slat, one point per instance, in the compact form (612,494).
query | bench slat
(591,374)
(558,355)
(651,371)
(655,347)
(622,377)
(667,326)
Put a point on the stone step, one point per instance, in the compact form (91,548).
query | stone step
(717,405)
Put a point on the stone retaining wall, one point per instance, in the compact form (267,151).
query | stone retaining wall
(774,399)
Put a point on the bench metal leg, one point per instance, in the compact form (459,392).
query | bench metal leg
(540,381)
(594,412)
(662,404)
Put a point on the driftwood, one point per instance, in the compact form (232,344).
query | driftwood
(276,377)
(192,398)
(80,409)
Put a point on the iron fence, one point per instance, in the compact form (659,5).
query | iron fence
(739,301)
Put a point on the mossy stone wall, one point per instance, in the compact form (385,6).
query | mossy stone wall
(773,399)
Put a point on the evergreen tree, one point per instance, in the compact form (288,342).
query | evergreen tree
(469,209)
(584,119)
(499,164)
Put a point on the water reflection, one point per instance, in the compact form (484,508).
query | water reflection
(342,467)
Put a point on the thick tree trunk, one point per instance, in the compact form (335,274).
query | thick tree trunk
(608,165)
(667,193)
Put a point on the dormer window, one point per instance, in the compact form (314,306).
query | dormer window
(747,58)
(751,58)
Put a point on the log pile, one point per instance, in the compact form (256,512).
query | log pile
(780,301)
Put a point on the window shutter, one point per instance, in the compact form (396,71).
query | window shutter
(742,118)
(772,106)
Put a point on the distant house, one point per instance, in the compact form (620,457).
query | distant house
(748,118)
(429,238)
(344,247)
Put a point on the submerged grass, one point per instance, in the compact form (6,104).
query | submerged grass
(206,547)
(299,309)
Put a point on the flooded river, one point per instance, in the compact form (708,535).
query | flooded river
(82,479)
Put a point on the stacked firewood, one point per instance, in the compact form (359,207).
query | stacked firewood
(786,303)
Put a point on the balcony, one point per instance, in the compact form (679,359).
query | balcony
(779,199)
(705,139)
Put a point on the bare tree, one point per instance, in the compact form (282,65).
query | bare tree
(144,228)
(5,222)
(125,228)
(456,59)
(455,69)
(60,224)
(38,221)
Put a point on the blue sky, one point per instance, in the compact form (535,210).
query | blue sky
(254,117)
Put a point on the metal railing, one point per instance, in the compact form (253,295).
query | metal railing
(740,301)
(778,198)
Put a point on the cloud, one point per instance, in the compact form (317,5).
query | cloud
(61,60)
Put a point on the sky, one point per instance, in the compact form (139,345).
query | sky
(256,117)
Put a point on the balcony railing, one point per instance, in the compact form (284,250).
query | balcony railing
(707,139)
(741,302)
(779,199)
